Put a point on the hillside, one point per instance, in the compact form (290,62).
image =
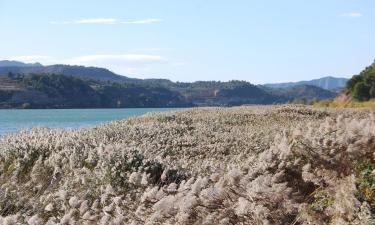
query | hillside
(362,86)
(302,91)
(76,71)
(244,165)
(328,83)
(60,91)
(132,91)
(232,93)
(9,63)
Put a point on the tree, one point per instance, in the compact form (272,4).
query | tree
(361,91)
(372,91)
(353,81)
(370,78)
(10,75)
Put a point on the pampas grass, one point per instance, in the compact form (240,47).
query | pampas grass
(243,165)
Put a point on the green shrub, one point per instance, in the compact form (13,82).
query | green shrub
(361,91)
(372,91)
(362,86)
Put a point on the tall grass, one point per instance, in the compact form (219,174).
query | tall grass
(245,165)
(349,104)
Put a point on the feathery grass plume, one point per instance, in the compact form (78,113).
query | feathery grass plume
(244,165)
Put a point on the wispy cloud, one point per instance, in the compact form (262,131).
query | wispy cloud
(107,21)
(88,21)
(352,15)
(126,58)
(146,21)
(127,64)
(96,21)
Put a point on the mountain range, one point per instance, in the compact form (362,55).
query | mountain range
(9,63)
(57,85)
(328,83)
(77,71)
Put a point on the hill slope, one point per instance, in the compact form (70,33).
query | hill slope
(328,83)
(232,93)
(8,63)
(362,86)
(201,93)
(76,71)
(302,91)
(60,91)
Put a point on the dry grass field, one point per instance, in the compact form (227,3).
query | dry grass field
(243,165)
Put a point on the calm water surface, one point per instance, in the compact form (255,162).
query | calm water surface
(13,120)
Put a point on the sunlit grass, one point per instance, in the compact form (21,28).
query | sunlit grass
(245,165)
(349,104)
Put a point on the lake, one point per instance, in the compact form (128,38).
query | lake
(13,120)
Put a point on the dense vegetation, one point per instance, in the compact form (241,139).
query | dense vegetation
(362,86)
(76,71)
(64,91)
(73,91)
(248,165)
(119,91)
(336,103)
(60,91)
(305,94)
(231,93)
(328,83)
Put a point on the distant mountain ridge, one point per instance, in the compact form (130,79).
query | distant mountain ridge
(6,66)
(328,83)
(76,71)
(11,63)
(131,92)
(61,91)
(302,91)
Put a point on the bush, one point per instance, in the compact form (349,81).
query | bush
(353,81)
(361,91)
(362,86)
(372,91)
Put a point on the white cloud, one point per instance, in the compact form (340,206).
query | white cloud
(107,21)
(125,58)
(146,21)
(88,21)
(92,59)
(127,64)
(352,14)
(96,21)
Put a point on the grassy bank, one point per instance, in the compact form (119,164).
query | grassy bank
(244,165)
(334,103)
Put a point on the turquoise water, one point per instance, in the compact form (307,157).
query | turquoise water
(13,120)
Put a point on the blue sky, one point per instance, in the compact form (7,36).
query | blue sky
(257,41)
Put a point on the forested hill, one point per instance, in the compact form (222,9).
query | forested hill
(60,91)
(328,83)
(37,86)
(96,73)
(76,71)
(362,86)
